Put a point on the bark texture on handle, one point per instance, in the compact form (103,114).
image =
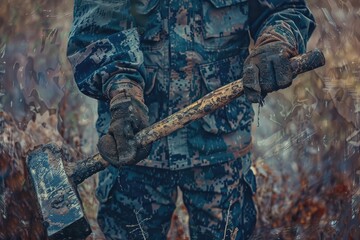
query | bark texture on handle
(81,170)
(307,62)
(207,104)
(217,99)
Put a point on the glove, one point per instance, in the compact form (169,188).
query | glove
(128,116)
(268,66)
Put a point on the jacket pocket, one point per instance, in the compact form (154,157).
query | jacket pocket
(107,179)
(236,114)
(151,93)
(148,19)
(150,81)
(222,18)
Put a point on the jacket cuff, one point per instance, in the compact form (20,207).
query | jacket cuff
(125,88)
(279,32)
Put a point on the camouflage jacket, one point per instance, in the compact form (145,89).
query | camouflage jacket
(178,51)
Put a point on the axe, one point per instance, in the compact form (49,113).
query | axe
(55,183)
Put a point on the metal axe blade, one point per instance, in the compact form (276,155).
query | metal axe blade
(60,206)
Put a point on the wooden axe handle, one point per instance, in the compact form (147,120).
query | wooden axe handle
(207,104)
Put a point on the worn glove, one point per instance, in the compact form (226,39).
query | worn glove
(268,66)
(128,116)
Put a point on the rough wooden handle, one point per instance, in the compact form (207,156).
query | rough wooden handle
(307,62)
(217,99)
(207,104)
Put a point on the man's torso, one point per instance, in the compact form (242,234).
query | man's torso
(191,48)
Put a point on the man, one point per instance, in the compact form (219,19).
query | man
(146,59)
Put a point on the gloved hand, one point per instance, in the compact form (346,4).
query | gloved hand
(128,116)
(268,67)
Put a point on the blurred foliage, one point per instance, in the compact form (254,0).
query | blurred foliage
(306,155)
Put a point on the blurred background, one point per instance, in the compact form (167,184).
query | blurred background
(307,137)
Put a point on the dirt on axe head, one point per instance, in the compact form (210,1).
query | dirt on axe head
(60,205)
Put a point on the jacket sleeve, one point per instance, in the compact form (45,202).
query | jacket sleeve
(292,13)
(104,47)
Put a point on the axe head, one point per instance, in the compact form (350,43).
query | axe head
(57,197)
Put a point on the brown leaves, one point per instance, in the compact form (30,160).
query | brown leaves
(19,217)
(179,228)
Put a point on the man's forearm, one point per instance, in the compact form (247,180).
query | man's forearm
(293,14)
(104,47)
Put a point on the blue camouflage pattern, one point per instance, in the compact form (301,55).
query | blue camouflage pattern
(218,200)
(177,51)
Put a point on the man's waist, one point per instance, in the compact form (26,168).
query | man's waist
(184,150)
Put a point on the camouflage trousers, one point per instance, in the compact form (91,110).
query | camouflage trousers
(218,198)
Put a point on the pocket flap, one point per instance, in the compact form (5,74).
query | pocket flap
(151,72)
(107,179)
(236,114)
(222,18)
(219,73)
(143,7)
(225,3)
(148,19)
